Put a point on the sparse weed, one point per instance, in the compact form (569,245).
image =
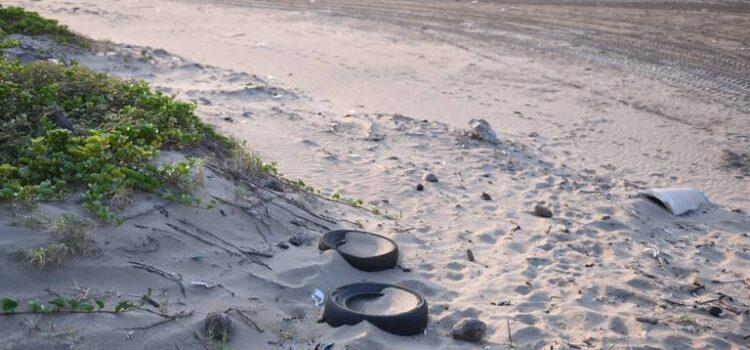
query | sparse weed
(52,255)
(73,232)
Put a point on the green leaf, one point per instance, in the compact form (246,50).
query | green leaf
(99,304)
(74,303)
(124,306)
(36,306)
(8,305)
(86,307)
(59,302)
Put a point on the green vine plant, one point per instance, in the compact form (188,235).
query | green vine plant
(118,129)
(59,305)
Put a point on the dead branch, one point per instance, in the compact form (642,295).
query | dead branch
(170,318)
(176,277)
(249,251)
(232,252)
(246,319)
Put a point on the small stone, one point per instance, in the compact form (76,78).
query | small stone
(283,245)
(715,311)
(229,119)
(469,329)
(486,196)
(429,177)
(420,187)
(217,326)
(482,130)
(542,211)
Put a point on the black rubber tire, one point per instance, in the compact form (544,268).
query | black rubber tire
(337,313)
(385,261)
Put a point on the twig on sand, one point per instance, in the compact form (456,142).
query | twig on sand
(510,339)
(246,319)
(232,252)
(176,277)
(249,251)
(249,211)
(169,318)
(148,211)
(518,227)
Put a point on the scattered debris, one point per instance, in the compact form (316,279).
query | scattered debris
(469,329)
(318,297)
(324,346)
(648,320)
(204,284)
(470,255)
(677,200)
(482,130)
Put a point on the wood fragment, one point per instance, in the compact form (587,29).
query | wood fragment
(176,277)
(248,251)
(246,319)
(470,255)
(230,251)
(510,339)
(176,316)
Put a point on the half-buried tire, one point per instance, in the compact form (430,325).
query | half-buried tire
(365,251)
(391,308)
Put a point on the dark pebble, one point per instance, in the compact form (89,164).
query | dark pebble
(486,196)
(283,245)
(542,211)
(296,241)
(420,187)
(715,311)
(430,177)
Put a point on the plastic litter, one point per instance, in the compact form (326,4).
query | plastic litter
(204,284)
(677,200)
(319,297)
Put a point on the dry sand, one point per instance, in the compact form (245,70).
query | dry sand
(364,109)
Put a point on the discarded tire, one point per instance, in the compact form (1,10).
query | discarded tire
(339,311)
(382,257)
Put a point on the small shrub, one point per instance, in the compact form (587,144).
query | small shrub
(15,20)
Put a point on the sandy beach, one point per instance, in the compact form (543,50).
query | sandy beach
(592,102)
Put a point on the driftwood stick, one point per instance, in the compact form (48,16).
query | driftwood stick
(170,318)
(232,252)
(245,319)
(176,277)
(249,251)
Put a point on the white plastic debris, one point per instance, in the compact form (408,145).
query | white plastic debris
(205,284)
(319,297)
(677,200)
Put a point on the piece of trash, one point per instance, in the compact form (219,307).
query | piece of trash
(319,297)
(205,284)
(482,130)
(677,200)
(261,44)
(129,335)
(324,346)
(277,96)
